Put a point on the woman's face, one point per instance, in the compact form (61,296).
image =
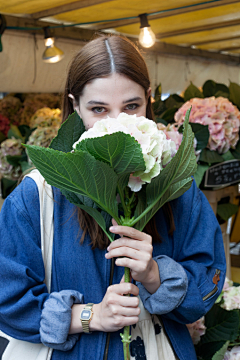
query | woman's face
(110,96)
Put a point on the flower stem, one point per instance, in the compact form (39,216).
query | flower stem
(126,337)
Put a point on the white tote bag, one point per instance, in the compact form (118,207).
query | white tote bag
(23,350)
(156,344)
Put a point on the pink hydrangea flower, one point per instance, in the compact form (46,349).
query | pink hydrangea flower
(171,131)
(196,330)
(10,147)
(221,116)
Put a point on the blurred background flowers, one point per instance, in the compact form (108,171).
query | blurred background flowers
(217,336)
(24,118)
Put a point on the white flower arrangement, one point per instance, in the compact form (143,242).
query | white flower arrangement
(156,148)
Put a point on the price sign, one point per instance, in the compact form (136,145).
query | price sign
(223,174)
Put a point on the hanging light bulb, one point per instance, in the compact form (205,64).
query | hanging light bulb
(52,53)
(147,37)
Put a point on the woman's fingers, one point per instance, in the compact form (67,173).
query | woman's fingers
(125,311)
(114,222)
(125,245)
(117,310)
(123,289)
(130,233)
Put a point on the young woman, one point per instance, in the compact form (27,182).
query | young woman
(173,262)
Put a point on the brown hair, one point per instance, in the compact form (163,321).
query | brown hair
(96,60)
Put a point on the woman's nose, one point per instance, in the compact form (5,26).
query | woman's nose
(114,113)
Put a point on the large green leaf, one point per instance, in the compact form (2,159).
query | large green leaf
(102,218)
(222,325)
(99,219)
(162,121)
(222,94)
(15,160)
(69,132)
(210,157)
(191,92)
(7,186)
(174,100)
(220,353)
(15,132)
(80,173)
(173,192)
(236,152)
(201,133)
(121,151)
(168,115)
(158,107)
(225,211)
(2,137)
(228,156)
(25,166)
(207,351)
(211,88)
(234,94)
(158,92)
(172,181)
(198,176)
(76,199)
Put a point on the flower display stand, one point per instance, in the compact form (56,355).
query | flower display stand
(214,196)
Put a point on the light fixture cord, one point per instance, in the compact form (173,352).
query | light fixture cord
(35,48)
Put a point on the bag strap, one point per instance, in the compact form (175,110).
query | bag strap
(46,222)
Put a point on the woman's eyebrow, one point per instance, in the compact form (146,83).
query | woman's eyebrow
(132,99)
(94,102)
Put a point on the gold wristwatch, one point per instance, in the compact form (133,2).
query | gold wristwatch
(86,317)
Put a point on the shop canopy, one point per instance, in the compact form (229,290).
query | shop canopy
(196,40)
(188,27)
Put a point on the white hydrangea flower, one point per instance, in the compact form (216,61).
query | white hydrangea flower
(232,354)
(231,298)
(156,148)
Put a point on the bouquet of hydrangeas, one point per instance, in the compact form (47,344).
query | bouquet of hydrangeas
(217,337)
(215,120)
(221,116)
(127,158)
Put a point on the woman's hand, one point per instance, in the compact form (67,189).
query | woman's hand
(116,310)
(134,250)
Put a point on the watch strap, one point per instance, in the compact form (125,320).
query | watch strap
(85,323)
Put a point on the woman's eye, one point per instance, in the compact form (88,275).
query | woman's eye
(98,109)
(132,106)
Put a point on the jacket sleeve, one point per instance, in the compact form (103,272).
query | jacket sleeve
(27,311)
(187,290)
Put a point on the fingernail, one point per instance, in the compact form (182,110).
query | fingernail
(108,248)
(112,228)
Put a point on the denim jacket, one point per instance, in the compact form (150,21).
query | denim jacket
(187,263)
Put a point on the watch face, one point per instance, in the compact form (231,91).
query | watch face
(86,314)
